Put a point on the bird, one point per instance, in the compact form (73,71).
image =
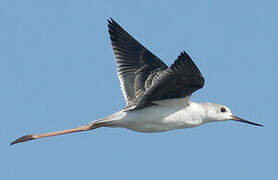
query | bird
(157,96)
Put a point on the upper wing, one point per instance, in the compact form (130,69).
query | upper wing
(180,80)
(132,59)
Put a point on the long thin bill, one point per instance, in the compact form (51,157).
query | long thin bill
(235,118)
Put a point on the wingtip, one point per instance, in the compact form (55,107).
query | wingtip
(184,53)
(112,24)
(111,21)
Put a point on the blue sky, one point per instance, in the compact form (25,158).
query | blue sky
(57,71)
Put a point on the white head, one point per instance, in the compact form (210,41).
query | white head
(218,112)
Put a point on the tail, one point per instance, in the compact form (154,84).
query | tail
(91,126)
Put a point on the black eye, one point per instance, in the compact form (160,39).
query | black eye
(223,110)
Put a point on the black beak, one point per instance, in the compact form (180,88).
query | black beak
(235,118)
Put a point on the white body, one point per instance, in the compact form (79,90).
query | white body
(165,115)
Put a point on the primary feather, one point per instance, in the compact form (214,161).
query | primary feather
(144,77)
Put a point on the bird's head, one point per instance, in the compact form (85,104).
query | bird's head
(218,112)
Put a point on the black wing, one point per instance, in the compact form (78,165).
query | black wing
(134,62)
(180,80)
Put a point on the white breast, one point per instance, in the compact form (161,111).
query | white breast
(166,115)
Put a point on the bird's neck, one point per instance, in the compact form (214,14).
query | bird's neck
(208,112)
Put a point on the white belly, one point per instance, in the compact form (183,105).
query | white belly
(166,115)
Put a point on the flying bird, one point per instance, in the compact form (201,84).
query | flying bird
(157,96)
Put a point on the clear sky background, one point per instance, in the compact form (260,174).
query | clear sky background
(57,71)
